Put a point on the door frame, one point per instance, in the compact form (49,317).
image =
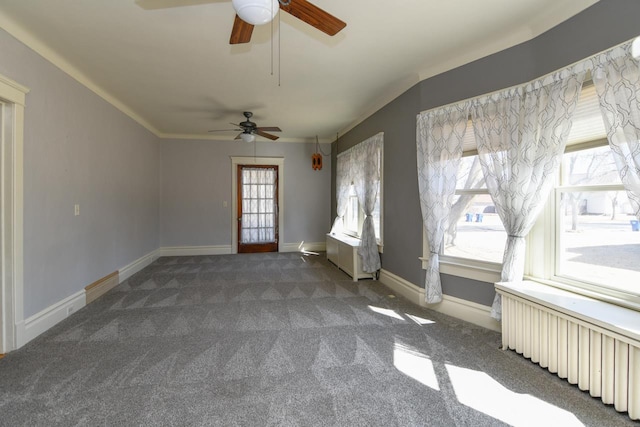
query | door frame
(12,216)
(271,246)
(250,161)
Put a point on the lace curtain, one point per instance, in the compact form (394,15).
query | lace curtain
(616,75)
(440,134)
(521,134)
(366,166)
(343,182)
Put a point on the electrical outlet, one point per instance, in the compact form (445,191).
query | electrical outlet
(76,210)
(224,204)
(69,310)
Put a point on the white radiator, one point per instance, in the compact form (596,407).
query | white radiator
(604,362)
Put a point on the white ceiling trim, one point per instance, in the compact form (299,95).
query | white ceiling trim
(41,48)
(232,136)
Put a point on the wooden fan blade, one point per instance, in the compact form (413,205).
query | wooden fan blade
(270,128)
(314,16)
(238,136)
(241,32)
(266,135)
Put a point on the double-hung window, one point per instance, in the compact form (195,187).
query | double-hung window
(353,220)
(586,239)
(475,231)
(354,216)
(475,238)
(587,236)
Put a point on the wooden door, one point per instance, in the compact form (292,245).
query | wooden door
(257,208)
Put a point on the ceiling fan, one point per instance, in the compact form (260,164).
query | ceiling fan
(258,12)
(249,129)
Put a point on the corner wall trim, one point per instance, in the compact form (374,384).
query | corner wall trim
(49,317)
(129,270)
(468,311)
(195,250)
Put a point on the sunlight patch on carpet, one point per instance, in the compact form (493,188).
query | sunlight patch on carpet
(481,392)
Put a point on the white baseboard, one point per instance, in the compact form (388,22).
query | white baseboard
(468,311)
(49,317)
(129,270)
(226,249)
(303,247)
(194,250)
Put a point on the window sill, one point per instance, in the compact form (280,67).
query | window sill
(469,269)
(621,320)
(593,292)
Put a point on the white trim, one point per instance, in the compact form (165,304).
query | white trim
(468,311)
(212,137)
(482,273)
(273,161)
(49,317)
(194,250)
(12,90)
(304,247)
(12,278)
(413,293)
(132,268)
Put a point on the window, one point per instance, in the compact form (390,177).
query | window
(475,230)
(354,217)
(586,233)
(594,245)
(351,169)
(584,240)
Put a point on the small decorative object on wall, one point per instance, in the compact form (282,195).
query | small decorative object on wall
(316,161)
(316,158)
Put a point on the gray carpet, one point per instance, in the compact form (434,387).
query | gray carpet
(275,339)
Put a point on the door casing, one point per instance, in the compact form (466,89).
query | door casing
(275,161)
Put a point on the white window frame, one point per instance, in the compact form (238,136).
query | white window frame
(483,271)
(542,241)
(350,231)
(361,216)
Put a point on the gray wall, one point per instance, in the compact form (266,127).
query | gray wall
(196,180)
(605,24)
(78,149)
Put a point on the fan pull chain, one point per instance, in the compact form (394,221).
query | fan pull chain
(272,39)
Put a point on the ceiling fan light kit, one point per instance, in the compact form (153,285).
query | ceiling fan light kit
(256,12)
(247,137)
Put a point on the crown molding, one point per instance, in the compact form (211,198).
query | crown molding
(209,137)
(42,49)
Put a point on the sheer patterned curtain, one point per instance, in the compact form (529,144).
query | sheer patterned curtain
(367,165)
(616,75)
(440,135)
(343,182)
(521,134)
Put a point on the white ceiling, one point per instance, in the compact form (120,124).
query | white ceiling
(172,68)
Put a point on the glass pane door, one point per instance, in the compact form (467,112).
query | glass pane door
(257,208)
